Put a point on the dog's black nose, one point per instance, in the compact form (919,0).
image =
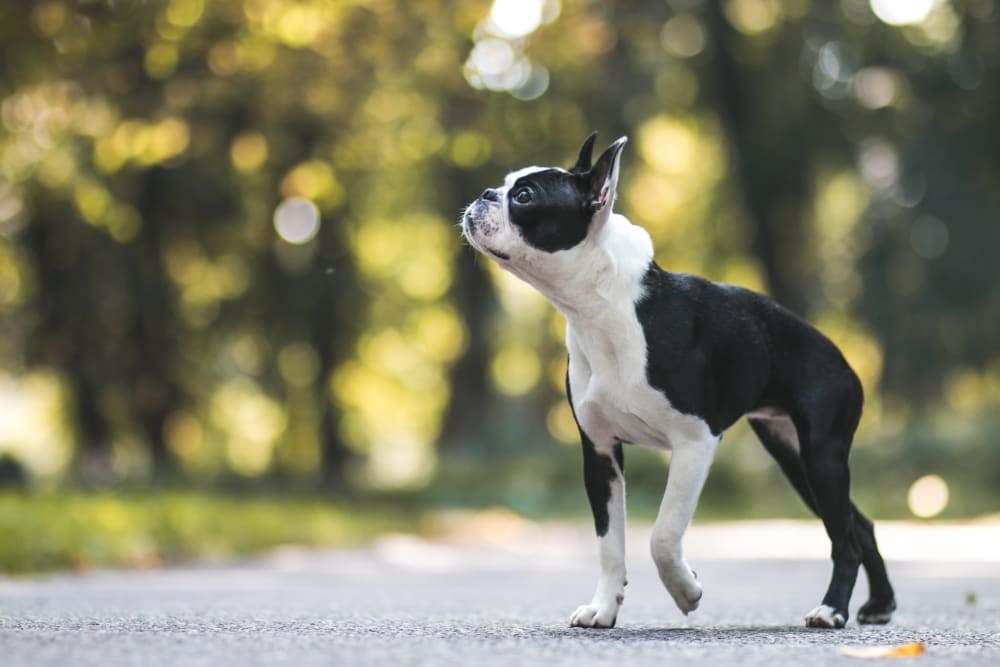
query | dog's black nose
(489,194)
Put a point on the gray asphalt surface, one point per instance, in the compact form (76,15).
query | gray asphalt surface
(408,602)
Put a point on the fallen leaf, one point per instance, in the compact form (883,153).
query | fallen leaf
(872,652)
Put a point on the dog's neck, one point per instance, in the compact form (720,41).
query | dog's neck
(596,278)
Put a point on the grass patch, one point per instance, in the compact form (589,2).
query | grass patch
(75,530)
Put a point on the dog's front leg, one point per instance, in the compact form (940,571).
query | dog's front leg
(689,466)
(605,482)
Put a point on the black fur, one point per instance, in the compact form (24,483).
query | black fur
(556,217)
(586,151)
(553,208)
(881,598)
(719,352)
(598,474)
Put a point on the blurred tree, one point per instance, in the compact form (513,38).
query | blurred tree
(931,283)
(773,122)
(227,230)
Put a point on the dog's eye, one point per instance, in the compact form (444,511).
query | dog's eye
(523,196)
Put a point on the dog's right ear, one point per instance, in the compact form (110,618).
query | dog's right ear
(601,182)
(586,152)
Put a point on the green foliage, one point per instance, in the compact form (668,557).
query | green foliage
(744,482)
(227,244)
(43,532)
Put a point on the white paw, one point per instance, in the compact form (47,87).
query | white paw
(825,616)
(594,616)
(682,584)
(686,596)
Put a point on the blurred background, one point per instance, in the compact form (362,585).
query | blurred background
(236,310)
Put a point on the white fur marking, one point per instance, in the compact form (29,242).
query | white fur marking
(603,608)
(824,616)
(596,284)
(614,401)
(607,346)
(689,466)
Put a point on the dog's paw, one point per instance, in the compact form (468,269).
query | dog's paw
(594,616)
(876,612)
(686,596)
(682,584)
(825,616)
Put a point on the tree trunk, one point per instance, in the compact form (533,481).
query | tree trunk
(471,391)
(769,159)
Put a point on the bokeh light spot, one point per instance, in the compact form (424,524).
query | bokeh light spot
(929,237)
(533,85)
(683,36)
(497,60)
(878,163)
(928,496)
(903,12)
(248,151)
(470,149)
(561,424)
(876,87)
(313,180)
(516,18)
(34,425)
(253,422)
(298,364)
(184,434)
(168,138)
(491,57)
(123,223)
(161,60)
(753,17)
(515,369)
(296,220)
(668,145)
(225,58)
(965,391)
(185,13)
(438,332)
(49,17)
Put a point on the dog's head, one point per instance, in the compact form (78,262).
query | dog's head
(538,211)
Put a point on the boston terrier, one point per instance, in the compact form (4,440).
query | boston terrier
(670,361)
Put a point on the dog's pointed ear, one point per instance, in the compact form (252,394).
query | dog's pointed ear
(583,159)
(603,179)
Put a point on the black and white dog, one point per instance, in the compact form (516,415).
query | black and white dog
(670,361)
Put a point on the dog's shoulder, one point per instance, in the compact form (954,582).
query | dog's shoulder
(695,310)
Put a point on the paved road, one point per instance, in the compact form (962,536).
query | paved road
(503,601)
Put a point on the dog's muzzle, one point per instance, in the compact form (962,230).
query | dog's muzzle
(475,215)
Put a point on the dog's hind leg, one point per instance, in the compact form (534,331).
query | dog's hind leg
(826,469)
(779,438)
(689,464)
(825,423)
(603,475)
(881,598)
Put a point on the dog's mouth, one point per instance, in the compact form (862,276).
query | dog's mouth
(467,224)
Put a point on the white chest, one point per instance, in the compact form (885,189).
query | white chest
(612,398)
